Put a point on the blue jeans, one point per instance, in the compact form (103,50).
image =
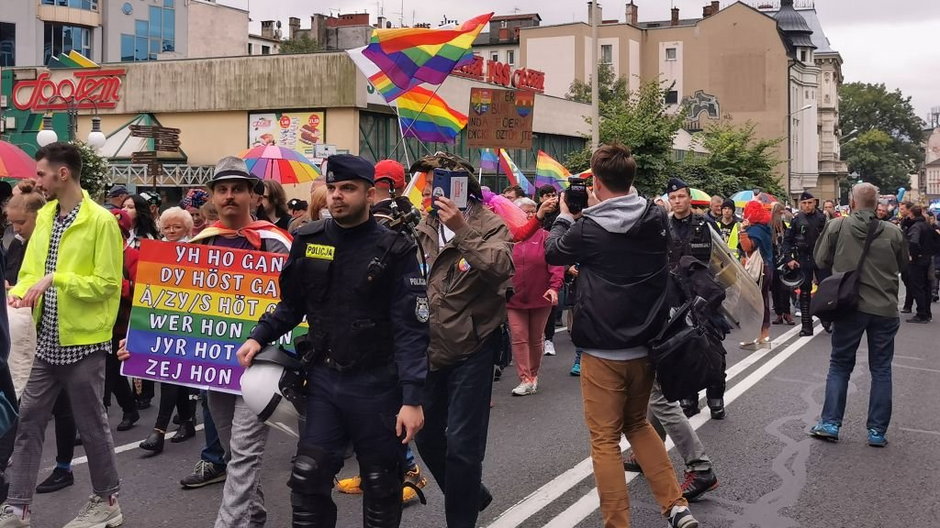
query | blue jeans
(846,335)
(453,441)
(212,452)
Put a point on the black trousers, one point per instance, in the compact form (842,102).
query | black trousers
(918,284)
(183,399)
(781,296)
(116,384)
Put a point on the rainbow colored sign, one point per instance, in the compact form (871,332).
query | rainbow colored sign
(194,306)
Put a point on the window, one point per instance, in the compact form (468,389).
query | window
(153,36)
(503,24)
(495,56)
(672,97)
(249,48)
(803,55)
(7,44)
(265,50)
(127,48)
(671,54)
(607,53)
(87,5)
(63,38)
(510,57)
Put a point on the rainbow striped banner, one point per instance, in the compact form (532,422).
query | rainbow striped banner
(489,160)
(549,172)
(426,116)
(410,56)
(516,177)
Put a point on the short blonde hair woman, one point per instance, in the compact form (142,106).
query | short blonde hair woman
(176,225)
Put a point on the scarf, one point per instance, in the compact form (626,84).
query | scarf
(253,233)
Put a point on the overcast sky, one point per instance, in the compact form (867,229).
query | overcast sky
(893,42)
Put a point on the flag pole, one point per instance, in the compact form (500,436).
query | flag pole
(412,124)
(402,132)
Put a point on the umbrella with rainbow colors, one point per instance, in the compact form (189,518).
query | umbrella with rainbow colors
(270,162)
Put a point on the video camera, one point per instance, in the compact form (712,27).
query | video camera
(576,197)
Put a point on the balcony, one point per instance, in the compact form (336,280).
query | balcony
(173,175)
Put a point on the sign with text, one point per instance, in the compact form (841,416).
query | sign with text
(194,306)
(91,89)
(500,118)
(300,131)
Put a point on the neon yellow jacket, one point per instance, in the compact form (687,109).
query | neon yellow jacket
(88,272)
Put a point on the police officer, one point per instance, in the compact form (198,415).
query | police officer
(690,234)
(798,247)
(366,355)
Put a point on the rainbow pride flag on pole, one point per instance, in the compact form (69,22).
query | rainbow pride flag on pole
(426,116)
(411,56)
(489,160)
(516,177)
(549,171)
(414,191)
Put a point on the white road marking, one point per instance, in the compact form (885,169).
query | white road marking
(922,369)
(119,449)
(558,486)
(590,502)
(908,357)
(908,429)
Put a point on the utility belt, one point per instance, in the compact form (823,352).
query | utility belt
(323,356)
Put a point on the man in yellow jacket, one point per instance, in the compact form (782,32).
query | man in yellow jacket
(71,278)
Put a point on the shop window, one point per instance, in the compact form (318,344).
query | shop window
(671,54)
(607,53)
(7,44)
(672,97)
(63,38)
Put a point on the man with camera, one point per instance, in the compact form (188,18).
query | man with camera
(620,245)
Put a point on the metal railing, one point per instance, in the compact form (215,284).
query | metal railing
(173,175)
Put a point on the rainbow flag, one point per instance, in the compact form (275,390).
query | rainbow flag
(414,191)
(550,172)
(424,115)
(410,56)
(489,160)
(516,177)
(385,86)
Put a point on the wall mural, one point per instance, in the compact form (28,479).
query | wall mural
(702,102)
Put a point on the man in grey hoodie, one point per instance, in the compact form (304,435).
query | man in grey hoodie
(620,245)
(840,248)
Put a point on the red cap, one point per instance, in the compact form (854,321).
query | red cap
(387,170)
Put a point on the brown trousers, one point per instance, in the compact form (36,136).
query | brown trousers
(616,396)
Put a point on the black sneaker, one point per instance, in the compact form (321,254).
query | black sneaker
(60,478)
(630,464)
(919,319)
(689,407)
(698,482)
(806,331)
(717,408)
(204,473)
(905,310)
(681,517)
(827,326)
(128,421)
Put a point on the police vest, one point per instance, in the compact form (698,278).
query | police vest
(697,243)
(347,287)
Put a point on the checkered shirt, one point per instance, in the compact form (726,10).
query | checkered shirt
(48,347)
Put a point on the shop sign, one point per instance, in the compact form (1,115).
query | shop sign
(88,88)
(300,131)
(502,74)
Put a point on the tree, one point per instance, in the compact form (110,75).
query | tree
(610,88)
(736,160)
(301,44)
(96,171)
(890,138)
(640,121)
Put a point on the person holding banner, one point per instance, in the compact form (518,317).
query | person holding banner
(71,276)
(233,192)
(359,286)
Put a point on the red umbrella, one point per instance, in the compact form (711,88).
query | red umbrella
(14,163)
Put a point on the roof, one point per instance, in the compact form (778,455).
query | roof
(527,16)
(655,24)
(261,37)
(794,26)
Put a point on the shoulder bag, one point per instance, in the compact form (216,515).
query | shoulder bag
(837,295)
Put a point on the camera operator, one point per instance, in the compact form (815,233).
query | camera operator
(620,245)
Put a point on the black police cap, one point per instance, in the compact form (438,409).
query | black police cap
(345,167)
(806,196)
(674,184)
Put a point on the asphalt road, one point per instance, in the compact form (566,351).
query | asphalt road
(771,474)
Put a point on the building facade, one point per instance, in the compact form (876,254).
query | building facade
(32,32)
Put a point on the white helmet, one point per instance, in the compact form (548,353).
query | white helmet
(272,388)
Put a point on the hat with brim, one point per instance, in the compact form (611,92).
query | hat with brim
(232,168)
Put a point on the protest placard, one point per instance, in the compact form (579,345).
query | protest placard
(194,306)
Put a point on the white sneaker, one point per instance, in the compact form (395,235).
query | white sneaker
(549,348)
(681,517)
(524,389)
(8,519)
(97,513)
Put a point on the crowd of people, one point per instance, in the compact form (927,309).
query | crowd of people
(414,313)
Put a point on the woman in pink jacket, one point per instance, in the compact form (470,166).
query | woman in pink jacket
(536,286)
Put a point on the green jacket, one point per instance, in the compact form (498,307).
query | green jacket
(887,257)
(88,272)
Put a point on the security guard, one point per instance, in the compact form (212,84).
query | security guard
(690,234)
(798,245)
(366,355)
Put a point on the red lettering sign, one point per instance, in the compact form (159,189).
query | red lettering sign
(88,88)
(502,74)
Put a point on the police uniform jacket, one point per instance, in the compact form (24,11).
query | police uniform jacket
(364,299)
(800,240)
(690,236)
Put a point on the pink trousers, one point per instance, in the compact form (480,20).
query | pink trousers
(527,330)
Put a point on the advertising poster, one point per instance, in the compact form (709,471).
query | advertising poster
(300,131)
(500,118)
(194,306)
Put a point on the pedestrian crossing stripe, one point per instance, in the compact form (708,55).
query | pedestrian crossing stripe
(319,251)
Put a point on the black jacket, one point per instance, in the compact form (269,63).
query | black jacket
(800,240)
(621,247)
(920,237)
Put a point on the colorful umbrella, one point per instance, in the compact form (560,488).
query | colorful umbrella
(699,197)
(741,199)
(284,165)
(14,163)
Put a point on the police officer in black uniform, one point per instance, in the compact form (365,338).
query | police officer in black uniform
(798,245)
(359,286)
(690,234)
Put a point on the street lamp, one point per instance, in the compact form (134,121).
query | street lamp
(790,148)
(96,138)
